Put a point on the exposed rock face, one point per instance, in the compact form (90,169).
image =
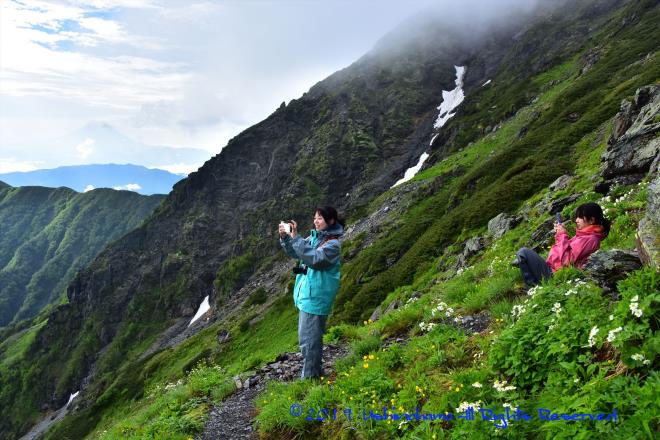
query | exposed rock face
(542,237)
(502,223)
(561,182)
(634,144)
(648,232)
(606,268)
(472,247)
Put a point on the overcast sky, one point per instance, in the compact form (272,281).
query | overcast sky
(168,72)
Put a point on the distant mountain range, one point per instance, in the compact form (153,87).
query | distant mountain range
(83,178)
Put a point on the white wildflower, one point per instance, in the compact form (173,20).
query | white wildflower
(611,335)
(464,406)
(477,385)
(533,290)
(634,306)
(639,357)
(556,308)
(592,336)
(502,386)
(576,380)
(517,311)
(611,318)
(507,405)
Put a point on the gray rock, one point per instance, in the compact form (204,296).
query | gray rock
(542,237)
(606,268)
(223,336)
(473,246)
(559,205)
(633,145)
(238,383)
(392,306)
(502,223)
(648,231)
(560,183)
(376,314)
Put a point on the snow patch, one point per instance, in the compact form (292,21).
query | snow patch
(203,308)
(486,83)
(410,172)
(451,99)
(433,138)
(71,397)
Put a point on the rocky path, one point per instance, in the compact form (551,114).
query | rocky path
(234,417)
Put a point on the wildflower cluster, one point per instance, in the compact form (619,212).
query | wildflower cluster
(592,336)
(502,386)
(427,327)
(634,306)
(366,358)
(517,311)
(170,386)
(639,357)
(496,265)
(534,290)
(556,308)
(368,321)
(611,335)
(477,385)
(464,406)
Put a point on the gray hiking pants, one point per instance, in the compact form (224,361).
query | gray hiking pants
(533,267)
(310,339)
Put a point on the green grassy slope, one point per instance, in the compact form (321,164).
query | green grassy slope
(49,234)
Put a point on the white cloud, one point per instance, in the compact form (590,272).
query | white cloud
(128,187)
(177,168)
(85,147)
(11,165)
(89,188)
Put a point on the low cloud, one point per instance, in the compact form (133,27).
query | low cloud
(84,148)
(128,187)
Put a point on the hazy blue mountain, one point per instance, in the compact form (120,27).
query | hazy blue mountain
(80,177)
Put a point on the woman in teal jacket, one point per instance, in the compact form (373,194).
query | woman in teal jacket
(317,281)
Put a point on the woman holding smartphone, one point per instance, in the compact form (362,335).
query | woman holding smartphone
(591,228)
(317,281)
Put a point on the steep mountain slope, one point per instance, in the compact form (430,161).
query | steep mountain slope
(354,133)
(48,234)
(81,177)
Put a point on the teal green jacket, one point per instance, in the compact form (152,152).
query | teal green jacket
(315,292)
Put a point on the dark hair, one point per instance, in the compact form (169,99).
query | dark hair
(592,210)
(329,213)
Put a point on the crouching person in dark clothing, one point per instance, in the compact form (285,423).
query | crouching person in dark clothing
(317,281)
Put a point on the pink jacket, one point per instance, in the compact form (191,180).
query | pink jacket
(575,251)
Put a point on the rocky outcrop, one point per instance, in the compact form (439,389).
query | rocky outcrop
(606,268)
(648,232)
(502,223)
(472,247)
(633,145)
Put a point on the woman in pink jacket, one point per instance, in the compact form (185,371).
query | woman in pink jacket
(591,228)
